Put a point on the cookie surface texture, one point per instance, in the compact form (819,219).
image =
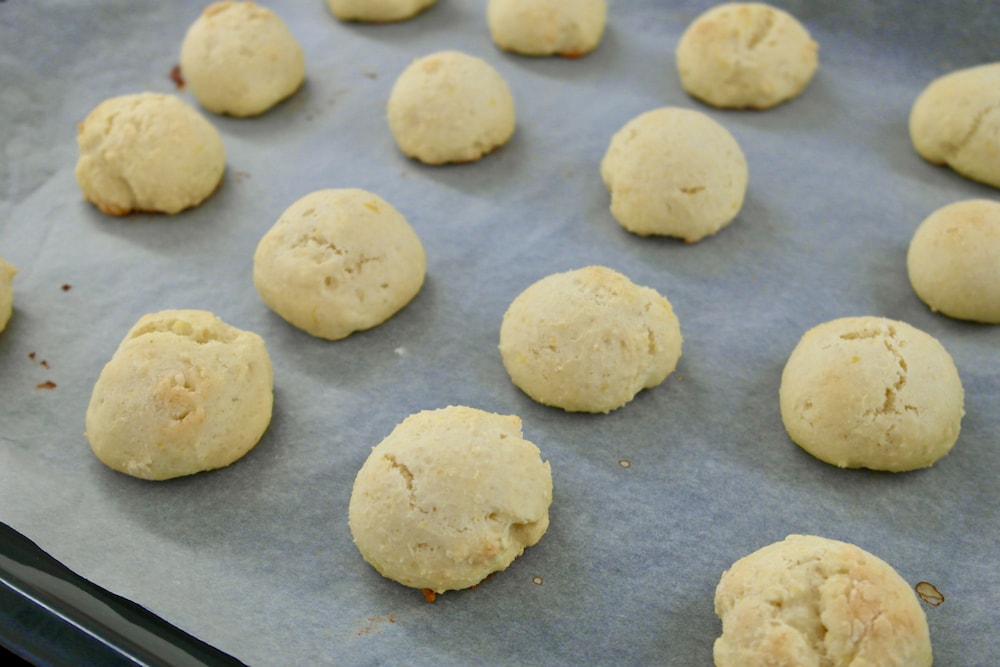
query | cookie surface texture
(810,600)
(569,28)
(953,261)
(339,261)
(589,340)
(377,11)
(450,497)
(7,273)
(148,152)
(183,393)
(450,107)
(240,59)
(746,55)
(870,392)
(675,172)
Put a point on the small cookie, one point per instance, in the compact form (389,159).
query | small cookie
(184,392)
(568,28)
(746,55)
(869,392)
(7,273)
(148,152)
(450,107)
(810,600)
(954,261)
(377,11)
(955,121)
(674,172)
(589,340)
(339,261)
(240,59)
(450,497)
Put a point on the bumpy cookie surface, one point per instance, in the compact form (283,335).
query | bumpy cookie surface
(377,11)
(746,55)
(569,28)
(240,59)
(449,497)
(674,172)
(148,152)
(869,392)
(450,107)
(7,273)
(184,392)
(589,340)
(814,601)
(339,261)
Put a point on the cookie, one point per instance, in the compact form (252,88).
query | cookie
(746,55)
(7,273)
(339,261)
(148,152)
(377,11)
(183,393)
(810,600)
(240,59)
(955,121)
(568,28)
(450,497)
(675,172)
(589,340)
(870,392)
(953,261)
(450,107)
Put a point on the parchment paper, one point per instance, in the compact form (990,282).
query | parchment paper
(653,501)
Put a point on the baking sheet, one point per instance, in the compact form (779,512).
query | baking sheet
(651,502)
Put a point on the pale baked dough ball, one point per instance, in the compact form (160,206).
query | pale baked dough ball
(743,55)
(954,261)
(339,261)
(817,602)
(674,172)
(377,11)
(589,340)
(148,152)
(240,59)
(183,393)
(450,107)
(869,392)
(7,273)
(955,121)
(449,497)
(569,28)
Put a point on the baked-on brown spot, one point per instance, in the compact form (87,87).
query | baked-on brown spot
(429,595)
(66,287)
(48,384)
(177,77)
(929,593)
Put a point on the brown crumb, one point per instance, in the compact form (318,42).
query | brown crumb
(66,287)
(31,355)
(929,593)
(429,595)
(177,77)
(48,384)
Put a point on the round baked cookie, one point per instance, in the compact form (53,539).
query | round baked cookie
(746,55)
(450,107)
(955,121)
(954,261)
(7,273)
(810,600)
(148,152)
(674,172)
(870,392)
(377,11)
(240,59)
(589,340)
(569,28)
(339,261)
(450,497)
(183,393)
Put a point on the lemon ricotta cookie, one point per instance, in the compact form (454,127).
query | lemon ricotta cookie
(589,340)
(810,600)
(742,55)
(955,121)
(870,392)
(377,11)
(339,261)
(450,107)
(569,28)
(240,59)
(675,172)
(953,261)
(450,497)
(183,393)
(7,273)
(148,152)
